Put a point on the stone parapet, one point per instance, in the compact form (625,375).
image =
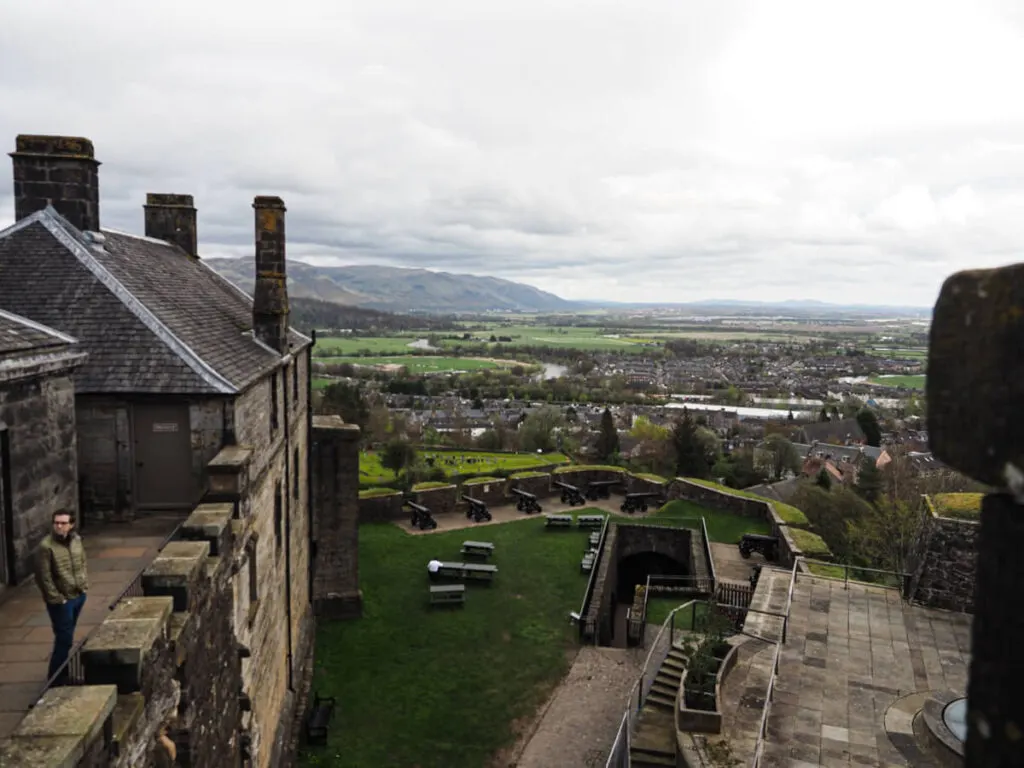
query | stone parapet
(439,500)
(176,571)
(115,651)
(209,523)
(228,474)
(944,562)
(69,726)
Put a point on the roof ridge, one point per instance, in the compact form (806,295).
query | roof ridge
(69,236)
(144,238)
(28,323)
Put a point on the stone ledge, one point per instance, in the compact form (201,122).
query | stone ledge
(175,571)
(208,522)
(335,428)
(176,626)
(57,732)
(114,652)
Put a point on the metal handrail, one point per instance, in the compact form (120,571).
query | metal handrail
(76,649)
(588,593)
(762,730)
(847,567)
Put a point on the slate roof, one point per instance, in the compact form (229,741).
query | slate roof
(152,319)
(19,335)
(825,431)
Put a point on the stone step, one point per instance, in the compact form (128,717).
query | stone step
(670,673)
(674,663)
(665,689)
(660,700)
(651,761)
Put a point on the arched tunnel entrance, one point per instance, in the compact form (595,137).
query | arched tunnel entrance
(633,571)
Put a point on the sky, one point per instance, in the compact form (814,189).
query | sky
(655,150)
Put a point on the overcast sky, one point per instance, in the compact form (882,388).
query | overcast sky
(650,150)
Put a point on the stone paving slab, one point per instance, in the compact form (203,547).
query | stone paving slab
(851,653)
(116,552)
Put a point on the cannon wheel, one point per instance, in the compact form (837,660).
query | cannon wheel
(745,553)
(643,507)
(625,508)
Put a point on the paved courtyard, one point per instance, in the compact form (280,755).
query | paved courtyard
(851,654)
(116,553)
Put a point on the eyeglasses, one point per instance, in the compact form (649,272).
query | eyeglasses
(58,522)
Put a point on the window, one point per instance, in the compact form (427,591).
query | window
(295,381)
(295,474)
(273,402)
(278,513)
(254,598)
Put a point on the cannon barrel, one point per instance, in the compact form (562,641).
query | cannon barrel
(566,486)
(471,500)
(522,493)
(417,507)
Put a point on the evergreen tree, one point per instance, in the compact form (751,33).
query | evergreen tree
(608,439)
(869,480)
(869,425)
(690,456)
(823,479)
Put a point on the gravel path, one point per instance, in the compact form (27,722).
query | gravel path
(580,720)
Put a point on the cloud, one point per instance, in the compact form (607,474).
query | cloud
(668,151)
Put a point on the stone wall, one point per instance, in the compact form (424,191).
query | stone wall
(277,623)
(597,624)
(493,493)
(439,500)
(382,509)
(38,447)
(636,484)
(581,476)
(944,562)
(336,512)
(538,485)
(716,499)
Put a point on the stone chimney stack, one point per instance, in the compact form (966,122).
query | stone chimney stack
(60,171)
(270,296)
(172,218)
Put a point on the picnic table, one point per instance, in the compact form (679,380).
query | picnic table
(558,521)
(590,521)
(483,549)
(447,594)
(467,571)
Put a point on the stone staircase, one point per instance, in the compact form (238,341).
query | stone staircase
(654,741)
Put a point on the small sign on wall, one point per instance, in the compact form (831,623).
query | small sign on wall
(165,426)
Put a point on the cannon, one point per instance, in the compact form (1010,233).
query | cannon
(527,501)
(477,509)
(637,502)
(757,542)
(600,489)
(570,493)
(755,574)
(421,517)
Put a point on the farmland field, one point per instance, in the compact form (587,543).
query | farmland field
(419,363)
(913,382)
(380,345)
(458,463)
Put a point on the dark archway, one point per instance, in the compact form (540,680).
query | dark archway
(634,570)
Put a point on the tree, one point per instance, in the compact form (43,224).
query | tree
(536,433)
(869,480)
(824,479)
(398,455)
(885,535)
(343,399)
(782,455)
(868,422)
(608,439)
(738,470)
(833,514)
(690,461)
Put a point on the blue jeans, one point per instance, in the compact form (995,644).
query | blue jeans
(63,619)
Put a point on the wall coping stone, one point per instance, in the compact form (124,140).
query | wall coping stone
(128,633)
(230,459)
(336,428)
(127,711)
(58,730)
(208,521)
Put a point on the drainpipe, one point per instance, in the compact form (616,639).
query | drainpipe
(7,506)
(286,494)
(309,458)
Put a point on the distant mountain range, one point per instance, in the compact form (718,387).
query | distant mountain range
(393,289)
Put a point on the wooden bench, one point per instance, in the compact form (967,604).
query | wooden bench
(559,521)
(317,720)
(483,549)
(448,594)
(590,521)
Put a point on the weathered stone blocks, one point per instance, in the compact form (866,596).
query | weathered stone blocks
(63,730)
(114,652)
(209,523)
(176,571)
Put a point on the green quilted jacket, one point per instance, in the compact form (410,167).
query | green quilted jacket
(60,569)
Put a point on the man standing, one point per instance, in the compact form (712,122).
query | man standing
(63,580)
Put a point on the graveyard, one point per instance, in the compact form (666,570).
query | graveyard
(458,463)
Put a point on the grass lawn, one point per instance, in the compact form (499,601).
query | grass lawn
(786,512)
(441,687)
(658,609)
(723,527)
(377,345)
(961,506)
(418,363)
(458,463)
(911,382)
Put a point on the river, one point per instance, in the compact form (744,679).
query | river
(551,371)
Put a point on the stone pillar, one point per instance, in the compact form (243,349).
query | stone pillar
(61,171)
(975,388)
(270,294)
(172,218)
(335,529)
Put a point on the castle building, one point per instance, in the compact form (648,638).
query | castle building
(135,380)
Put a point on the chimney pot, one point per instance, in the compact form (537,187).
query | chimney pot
(270,296)
(172,218)
(61,171)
